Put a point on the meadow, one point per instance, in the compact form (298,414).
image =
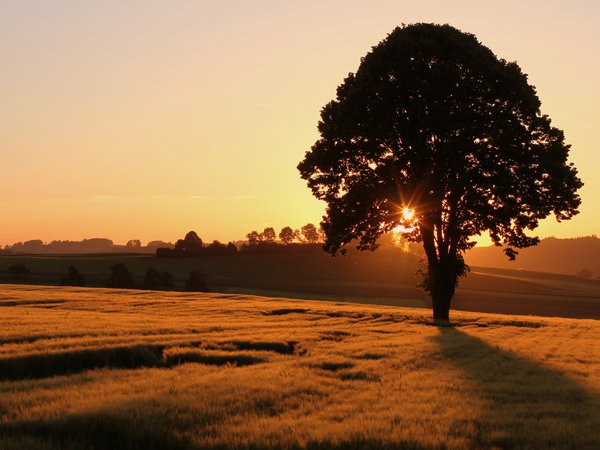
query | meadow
(383,277)
(92,368)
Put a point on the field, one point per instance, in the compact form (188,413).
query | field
(384,278)
(87,368)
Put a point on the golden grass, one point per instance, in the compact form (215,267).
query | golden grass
(117,369)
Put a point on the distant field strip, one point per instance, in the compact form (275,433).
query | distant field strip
(84,368)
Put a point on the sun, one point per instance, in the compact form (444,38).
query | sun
(408,215)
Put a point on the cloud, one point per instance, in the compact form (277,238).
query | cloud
(240,197)
(269,105)
(126,198)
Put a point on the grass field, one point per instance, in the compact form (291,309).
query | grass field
(384,278)
(85,368)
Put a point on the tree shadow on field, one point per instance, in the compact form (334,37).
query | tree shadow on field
(98,430)
(527,405)
(154,424)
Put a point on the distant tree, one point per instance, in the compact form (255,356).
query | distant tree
(286,235)
(585,273)
(269,235)
(231,248)
(254,237)
(190,245)
(134,243)
(217,246)
(158,244)
(196,282)
(435,123)
(167,280)
(152,280)
(18,269)
(310,233)
(73,277)
(165,252)
(156,281)
(120,277)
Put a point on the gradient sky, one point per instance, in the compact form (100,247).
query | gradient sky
(147,119)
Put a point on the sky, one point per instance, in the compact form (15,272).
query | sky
(146,119)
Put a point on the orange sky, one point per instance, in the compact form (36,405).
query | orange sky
(146,119)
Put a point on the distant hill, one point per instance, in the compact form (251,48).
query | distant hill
(576,256)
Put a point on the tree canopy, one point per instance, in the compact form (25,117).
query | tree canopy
(437,134)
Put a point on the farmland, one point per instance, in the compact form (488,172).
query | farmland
(126,369)
(374,278)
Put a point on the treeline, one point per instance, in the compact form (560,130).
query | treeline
(94,245)
(288,240)
(121,277)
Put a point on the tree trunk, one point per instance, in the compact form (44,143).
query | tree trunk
(441,307)
(442,283)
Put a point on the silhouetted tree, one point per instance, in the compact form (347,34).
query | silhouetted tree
(286,235)
(254,238)
(269,235)
(310,233)
(156,281)
(165,252)
(120,277)
(190,245)
(73,277)
(433,121)
(152,280)
(134,243)
(585,273)
(18,269)
(196,282)
(167,280)
(158,244)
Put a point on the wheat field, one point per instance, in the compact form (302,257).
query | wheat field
(85,368)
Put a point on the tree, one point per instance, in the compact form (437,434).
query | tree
(286,235)
(254,237)
(310,233)
(134,243)
(435,133)
(18,269)
(152,280)
(190,245)
(196,282)
(156,281)
(73,277)
(269,235)
(120,277)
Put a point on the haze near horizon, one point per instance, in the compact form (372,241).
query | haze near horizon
(145,120)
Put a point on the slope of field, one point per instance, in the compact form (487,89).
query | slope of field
(84,368)
(385,278)
(566,256)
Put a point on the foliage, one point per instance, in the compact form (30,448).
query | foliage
(286,235)
(433,121)
(120,277)
(18,269)
(269,235)
(154,280)
(310,233)
(73,277)
(190,245)
(196,282)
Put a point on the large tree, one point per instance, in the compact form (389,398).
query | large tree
(436,134)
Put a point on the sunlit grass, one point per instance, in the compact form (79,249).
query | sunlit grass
(110,369)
